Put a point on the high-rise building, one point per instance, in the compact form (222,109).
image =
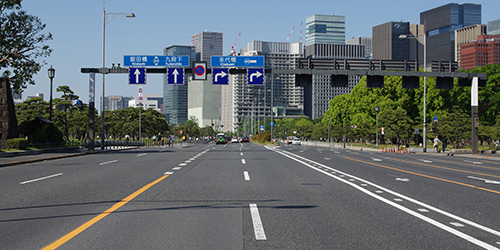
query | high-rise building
(387,44)
(155,97)
(204,101)
(466,35)
(175,96)
(484,50)
(207,44)
(116,102)
(494,27)
(325,29)
(366,41)
(242,103)
(440,25)
(317,97)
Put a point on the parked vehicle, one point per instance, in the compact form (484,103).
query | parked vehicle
(296,141)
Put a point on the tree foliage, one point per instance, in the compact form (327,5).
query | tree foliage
(21,42)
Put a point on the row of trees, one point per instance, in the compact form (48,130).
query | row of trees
(73,119)
(401,111)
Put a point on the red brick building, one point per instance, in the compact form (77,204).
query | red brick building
(485,50)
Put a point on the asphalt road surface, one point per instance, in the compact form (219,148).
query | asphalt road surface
(248,196)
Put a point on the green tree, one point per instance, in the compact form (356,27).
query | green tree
(21,44)
(64,106)
(31,108)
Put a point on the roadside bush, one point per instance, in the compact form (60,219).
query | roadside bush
(40,137)
(19,143)
(54,134)
(262,137)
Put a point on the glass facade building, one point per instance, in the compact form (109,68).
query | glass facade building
(441,23)
(325,29)
(207,44)
(175,96)
(494,27)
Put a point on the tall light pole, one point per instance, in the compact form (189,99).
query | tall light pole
(140,120)
(52,74)
(425,82)
(376,118)
(104,15)
(329,143)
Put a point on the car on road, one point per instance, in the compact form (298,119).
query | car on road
(245,139)
(235,139)
(220,139)
(296,141)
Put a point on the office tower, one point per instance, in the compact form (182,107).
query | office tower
(175,96)
(207,44)
(317,97)
(203,97)
(467,35)
(116,102)
(494,27)
(325,29)
(242,103)
(155,97)
(484,50)
(387,44)
(366,41)
(440,25)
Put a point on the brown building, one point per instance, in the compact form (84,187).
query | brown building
(485,50)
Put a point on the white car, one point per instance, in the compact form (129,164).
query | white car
(296,141)
(234,139)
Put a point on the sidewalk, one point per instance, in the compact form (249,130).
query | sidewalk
(486,154)
(28,156)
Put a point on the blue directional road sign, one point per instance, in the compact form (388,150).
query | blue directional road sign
(175,75)
(237,61)
(255,76)
(220,76)
(160,61)
(435,118)
(262,127)
(137,76)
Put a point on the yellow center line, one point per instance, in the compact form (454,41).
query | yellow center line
(423,175)
(452,169)
(91,222)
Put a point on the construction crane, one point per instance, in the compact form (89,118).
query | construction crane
(233,48)
(288,37)
(301,25)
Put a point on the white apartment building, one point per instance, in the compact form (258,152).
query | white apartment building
(242,102)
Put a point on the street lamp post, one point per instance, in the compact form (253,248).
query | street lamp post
(376,118)
(104,15)
(329,141)
(425,84)
(52,74)
(140,120)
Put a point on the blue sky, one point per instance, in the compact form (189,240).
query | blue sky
(77,30)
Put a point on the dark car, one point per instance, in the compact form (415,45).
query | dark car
(245,139)
(221,139)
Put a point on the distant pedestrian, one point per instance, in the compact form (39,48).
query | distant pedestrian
(436,144)
(444,142)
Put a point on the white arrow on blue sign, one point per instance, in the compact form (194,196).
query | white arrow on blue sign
(255,76)
(175,75)
(220,76)
(137,76)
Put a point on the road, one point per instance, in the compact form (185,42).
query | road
(247,196)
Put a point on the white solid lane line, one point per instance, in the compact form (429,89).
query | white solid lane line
(39,179)
(139,155)
(108,162)
(257,223)
(247,176)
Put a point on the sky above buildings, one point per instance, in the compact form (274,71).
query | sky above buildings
(77,30)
